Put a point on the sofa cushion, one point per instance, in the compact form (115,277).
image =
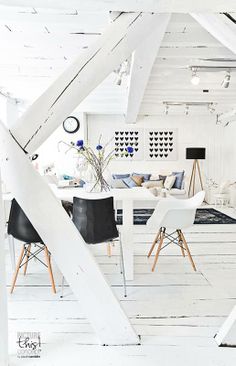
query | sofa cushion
(129,182)
(138,179)
(162,177)
(118,183)
(153,183)
(120,176)
(169,181)
(145,176)
(177,192)
(179,179)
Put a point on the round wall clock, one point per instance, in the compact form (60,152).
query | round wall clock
(71,124)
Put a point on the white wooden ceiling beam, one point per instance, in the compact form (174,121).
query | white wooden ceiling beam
(46,214)
(219,29)
(143,59)
(226,337)
(226,118)
(3,290)
(89,70)
(161,6)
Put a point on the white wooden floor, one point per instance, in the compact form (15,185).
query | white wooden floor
(177,312)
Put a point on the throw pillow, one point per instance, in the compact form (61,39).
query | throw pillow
(163,177)
(154,177)
(169,182)
(120,176)
(138,179)
(153,184)
(118,183)
(178,180)
(145,176)
(129,182)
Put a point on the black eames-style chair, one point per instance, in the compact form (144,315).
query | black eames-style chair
(20,227)
(95,220)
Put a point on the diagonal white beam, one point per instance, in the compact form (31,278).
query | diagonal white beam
(143,59)
(46,214)
(219,29)
(68,248)
(158,6)
(3,293)
(226,337)
(227,117)
(112,48)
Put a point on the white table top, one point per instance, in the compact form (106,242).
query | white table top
(131,194)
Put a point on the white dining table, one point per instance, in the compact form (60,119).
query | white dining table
(127,197)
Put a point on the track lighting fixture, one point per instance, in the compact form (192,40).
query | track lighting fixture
(211,108)
(195,79)
(226,80)
(187,105)
(166,109)
(186,109)
(122,71)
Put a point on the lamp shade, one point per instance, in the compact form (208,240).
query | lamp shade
(195,153)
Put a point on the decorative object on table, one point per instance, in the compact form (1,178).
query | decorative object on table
(195,154)
(97,162)
(71,124)
(161,144)
(128,138)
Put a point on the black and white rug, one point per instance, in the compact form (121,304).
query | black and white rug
(204,216)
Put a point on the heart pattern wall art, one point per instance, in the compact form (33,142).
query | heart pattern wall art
(161,144)
(125,138)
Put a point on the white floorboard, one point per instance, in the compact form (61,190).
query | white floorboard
(177,312)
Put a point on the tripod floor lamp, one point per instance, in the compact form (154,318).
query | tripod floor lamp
(195,154)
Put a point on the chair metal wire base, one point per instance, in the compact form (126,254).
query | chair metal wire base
(27,255)
(178,240)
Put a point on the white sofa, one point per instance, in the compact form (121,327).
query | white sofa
(178,193)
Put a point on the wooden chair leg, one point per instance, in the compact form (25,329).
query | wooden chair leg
(180,243)
(27,258)
(48,259)
(154,243)
(188,251)
(17,269)
(109,249)
(162,237)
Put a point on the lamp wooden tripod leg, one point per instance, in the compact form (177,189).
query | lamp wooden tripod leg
(195,169)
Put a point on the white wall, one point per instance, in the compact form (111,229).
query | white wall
(193,131)
(51,154)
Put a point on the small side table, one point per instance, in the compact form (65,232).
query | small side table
(221,199)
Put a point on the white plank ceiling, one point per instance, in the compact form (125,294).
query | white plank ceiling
(37,44)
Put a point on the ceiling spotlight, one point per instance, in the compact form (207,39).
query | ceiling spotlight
(122,72)
(166,109)
(187,110)
(118,80)
(195,79)
(211,108)
(226,81)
